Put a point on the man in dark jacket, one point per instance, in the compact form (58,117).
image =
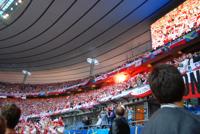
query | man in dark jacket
(120,124)
(168,87)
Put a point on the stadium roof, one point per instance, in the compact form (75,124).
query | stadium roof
(53,38)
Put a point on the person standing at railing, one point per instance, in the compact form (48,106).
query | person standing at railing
(168,88)
(104,118)
(130,114)
(120,124)
(99,121)
(111,114)
(86,122)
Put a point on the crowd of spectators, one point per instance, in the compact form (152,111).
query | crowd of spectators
(177,23)
(30,88)
(44,126)
(89,98)
(84,99)
(185,61)
(138,80)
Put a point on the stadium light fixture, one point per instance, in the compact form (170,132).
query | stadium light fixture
(5,16)
(93,61)
(7,6)
(19,1)
(25,72)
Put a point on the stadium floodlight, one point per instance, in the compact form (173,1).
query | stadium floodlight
(93,61)
(29,73)
(5,16)
(25,72)
(7,6)
(19,1)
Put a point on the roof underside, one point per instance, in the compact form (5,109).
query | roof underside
(53,38)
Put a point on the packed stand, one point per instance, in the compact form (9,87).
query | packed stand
(29,88)
(185,62)
(90,98)
(44,126)
(138,80)
(85,100)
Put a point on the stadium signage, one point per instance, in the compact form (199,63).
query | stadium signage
(195,65)
(157,52)
(141,91)
(192,83)
(102,77)
(104,99)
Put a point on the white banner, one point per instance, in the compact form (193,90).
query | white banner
(140,90)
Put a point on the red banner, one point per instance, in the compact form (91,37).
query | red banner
(192,83)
